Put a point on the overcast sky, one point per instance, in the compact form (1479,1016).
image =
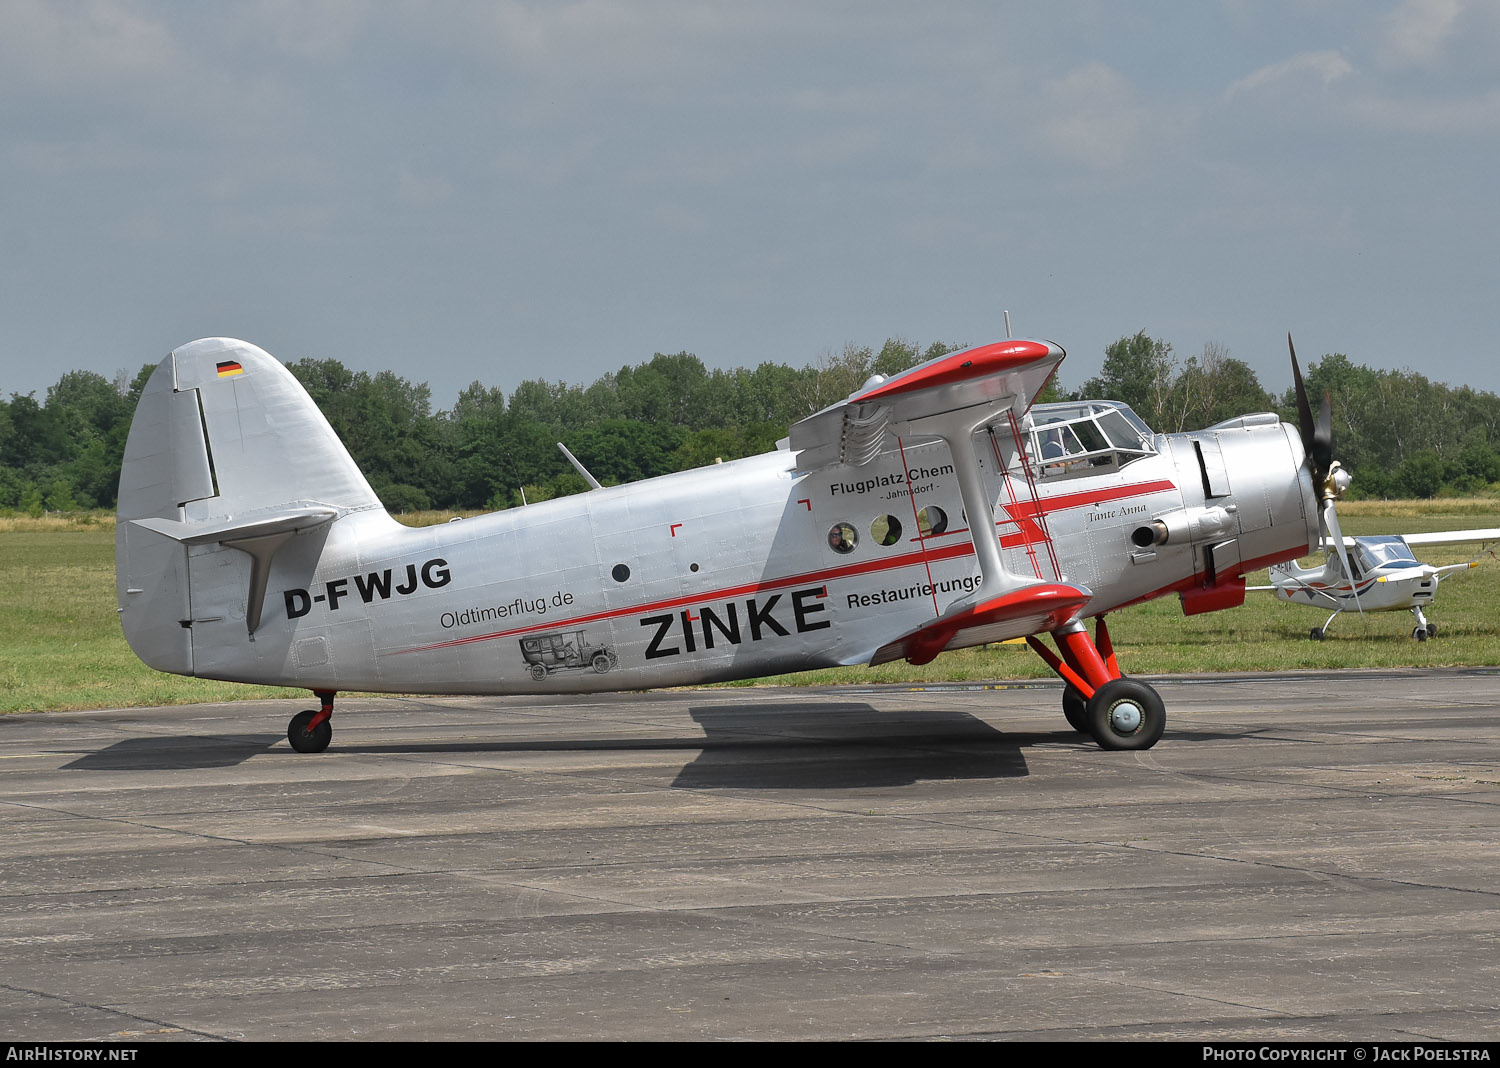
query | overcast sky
(505,190)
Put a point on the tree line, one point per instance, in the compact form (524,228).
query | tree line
(1400,434)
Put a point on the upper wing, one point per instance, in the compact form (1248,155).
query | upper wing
(950,398)
(1008,373)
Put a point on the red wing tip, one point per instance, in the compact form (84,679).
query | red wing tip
(970,363)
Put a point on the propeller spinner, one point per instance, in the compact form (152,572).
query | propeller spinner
(1329,478)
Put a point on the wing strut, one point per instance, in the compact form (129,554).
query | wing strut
(1005,604)
(1038,513)
(958,430)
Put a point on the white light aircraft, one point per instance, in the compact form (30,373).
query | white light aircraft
(1373,574)
(935,509)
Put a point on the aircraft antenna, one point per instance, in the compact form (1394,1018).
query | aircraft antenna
(590,479)
(1007,326)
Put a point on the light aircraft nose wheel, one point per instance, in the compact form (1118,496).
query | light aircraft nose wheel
(1419,633)
(1076,710)
(309,741)
(1126,714)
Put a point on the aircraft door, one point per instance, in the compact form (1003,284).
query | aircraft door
(642,556)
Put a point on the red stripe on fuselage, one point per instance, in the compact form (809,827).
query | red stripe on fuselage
(1028,530)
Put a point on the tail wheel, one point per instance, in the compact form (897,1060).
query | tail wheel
(309,741)
(1126,714)
(1076,710)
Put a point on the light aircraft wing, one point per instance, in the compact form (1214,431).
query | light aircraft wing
(1434,537)
(1444,537)
(1008,374)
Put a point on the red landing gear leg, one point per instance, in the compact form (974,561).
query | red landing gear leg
(311,731)
(1120,713)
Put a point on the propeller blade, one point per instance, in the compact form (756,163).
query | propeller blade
(1304,410)
(1331,524)
(1322,440)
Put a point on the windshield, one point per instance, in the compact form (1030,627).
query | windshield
(1376,552)
(1082,437)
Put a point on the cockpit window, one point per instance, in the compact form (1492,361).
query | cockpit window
(1122,434)
(1086,437)
(1376,552)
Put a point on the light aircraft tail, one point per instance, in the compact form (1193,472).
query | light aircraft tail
(228,464)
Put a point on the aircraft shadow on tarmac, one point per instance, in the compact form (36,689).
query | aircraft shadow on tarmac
(186,752)
(791,746)
(847,745)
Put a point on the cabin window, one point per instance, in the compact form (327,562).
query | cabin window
(842,538)
(931,521)
(886,530)
(621,573)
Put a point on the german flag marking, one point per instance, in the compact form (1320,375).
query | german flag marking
(230,367)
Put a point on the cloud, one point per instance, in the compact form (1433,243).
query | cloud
(422,191)
(1472,116)
(1326,67)
(82,46)
(1091,116)
(320,30)
(1415,33)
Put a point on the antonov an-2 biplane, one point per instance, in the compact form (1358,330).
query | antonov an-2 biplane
(935,509)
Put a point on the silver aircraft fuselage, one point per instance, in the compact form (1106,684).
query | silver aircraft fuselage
(727,572)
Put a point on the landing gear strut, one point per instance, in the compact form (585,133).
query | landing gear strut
(1318,634)
(311,731)
(1119,712)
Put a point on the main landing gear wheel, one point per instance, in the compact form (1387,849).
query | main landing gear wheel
(1420,633)
(1126,714)
(309,741)
(1075,709)
(1316,634)
(1432,630)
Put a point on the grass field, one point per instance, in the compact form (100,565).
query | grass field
(61,646)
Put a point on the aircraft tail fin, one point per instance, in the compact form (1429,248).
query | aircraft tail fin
(226,449)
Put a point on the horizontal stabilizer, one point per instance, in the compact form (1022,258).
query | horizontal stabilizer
(223,530)
(1042,606)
